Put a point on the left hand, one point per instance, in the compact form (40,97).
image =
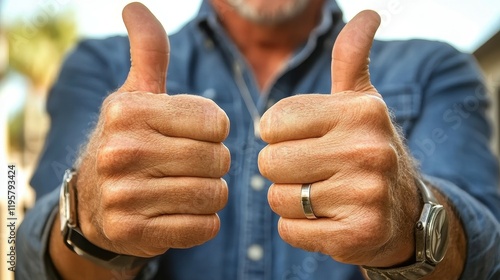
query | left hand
(363,190)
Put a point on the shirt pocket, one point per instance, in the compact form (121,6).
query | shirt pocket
(404,102)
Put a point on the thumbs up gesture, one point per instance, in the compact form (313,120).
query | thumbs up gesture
(150,178)
(362,181)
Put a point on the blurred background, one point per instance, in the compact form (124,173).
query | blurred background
(36,35)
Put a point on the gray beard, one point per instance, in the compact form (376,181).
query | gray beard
(262,16)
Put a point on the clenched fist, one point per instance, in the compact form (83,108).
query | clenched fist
(150,178)
(363,190)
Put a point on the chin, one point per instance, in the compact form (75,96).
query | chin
(270,12)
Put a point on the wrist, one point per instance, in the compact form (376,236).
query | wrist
(408,209)
(71,266)
(406,206)
(431,241)
(75,240)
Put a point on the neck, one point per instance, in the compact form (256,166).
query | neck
(268,47)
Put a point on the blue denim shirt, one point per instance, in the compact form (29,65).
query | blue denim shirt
(435,94)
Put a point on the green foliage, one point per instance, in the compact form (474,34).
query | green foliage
(16,131)
(37,46)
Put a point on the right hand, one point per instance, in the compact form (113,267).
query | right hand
(150,177)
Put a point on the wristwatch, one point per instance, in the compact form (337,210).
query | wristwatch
(431,242)
(73,237)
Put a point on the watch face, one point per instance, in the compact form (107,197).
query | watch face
(437,235)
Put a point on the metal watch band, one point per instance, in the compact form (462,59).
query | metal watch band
(424,259)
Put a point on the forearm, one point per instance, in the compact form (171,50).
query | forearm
(481,230)
(453,263)
(71,266)
(42,253)
(472,251)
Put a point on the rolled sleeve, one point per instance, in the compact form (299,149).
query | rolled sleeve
(33,238)
(450,141)
(481,229)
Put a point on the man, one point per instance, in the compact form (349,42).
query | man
(348,199)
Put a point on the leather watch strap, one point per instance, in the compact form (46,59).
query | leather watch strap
(414,271)
(74,238)
(80,245)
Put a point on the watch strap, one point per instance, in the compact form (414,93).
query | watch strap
(422,266)
(414,271)
(427,195)
(75,240)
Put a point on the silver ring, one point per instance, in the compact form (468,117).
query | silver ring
(305,195)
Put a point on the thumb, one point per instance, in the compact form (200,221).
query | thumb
(149,50)
(350,55)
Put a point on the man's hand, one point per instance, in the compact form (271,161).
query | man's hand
(363,188)
(150,178)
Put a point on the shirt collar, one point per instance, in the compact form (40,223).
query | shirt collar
(329,26)
(331,10)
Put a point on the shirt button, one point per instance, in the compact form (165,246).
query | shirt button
(209,44)
(209,93)
(257,182)
(255,252)
(270,103)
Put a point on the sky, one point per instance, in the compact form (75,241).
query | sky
(466,24)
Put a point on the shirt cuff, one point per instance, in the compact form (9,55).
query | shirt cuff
(33,239)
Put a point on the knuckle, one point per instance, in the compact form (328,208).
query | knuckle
(207,229)
(148,251)
(274,198)
(222,195)
(224,156)
(373,109)
(216,121)
(374,105)
(369,234)
(109,159)
(210,198)
(274,116)
(266,124)
(285,231)
(117,152)
(121,110)
(115,227)
(222,124)
(113,111)
(265,159)
(196,232)
(104,159)
(212,226)
(113,197)
(375,155)
(373,231)
(271,197)
(385,157)
(376,192)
